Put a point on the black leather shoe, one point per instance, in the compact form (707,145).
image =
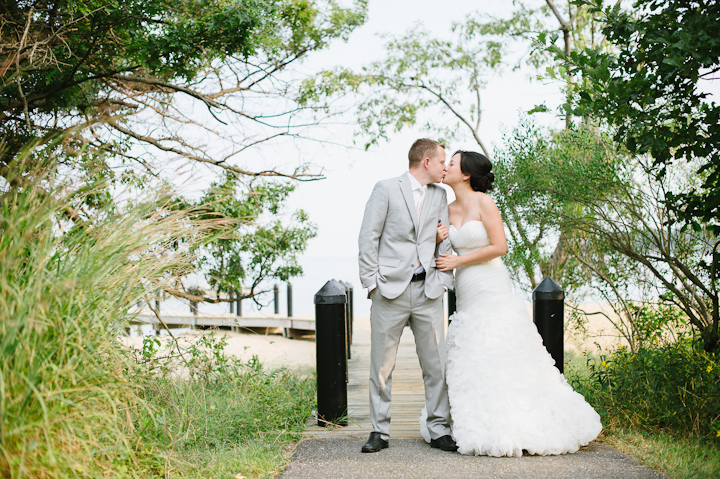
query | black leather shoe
(446,443)
(375,443)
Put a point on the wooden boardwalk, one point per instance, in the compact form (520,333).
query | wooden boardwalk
(408,396)
(185,319)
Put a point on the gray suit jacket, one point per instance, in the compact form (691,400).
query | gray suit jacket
(391,240)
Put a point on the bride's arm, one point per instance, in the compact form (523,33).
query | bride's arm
(496,234)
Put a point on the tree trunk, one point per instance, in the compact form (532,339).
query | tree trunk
(554,267)
(568,94)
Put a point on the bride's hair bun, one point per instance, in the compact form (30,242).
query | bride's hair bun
(479,167)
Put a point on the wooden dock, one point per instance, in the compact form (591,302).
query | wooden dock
(408,396)
(183,319)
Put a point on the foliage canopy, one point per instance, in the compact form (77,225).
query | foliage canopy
(139,78)
(649,89)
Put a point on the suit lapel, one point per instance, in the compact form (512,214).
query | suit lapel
(409,200)
(426,207)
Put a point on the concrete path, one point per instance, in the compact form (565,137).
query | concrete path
(335,452)
(413,458)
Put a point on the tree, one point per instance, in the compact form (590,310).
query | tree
(648,90)
(114,92)
(626,236)
(438,82)
(528,212)
(417,74)
(135,79)
(258,247)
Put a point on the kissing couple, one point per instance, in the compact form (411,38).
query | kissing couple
(491,387)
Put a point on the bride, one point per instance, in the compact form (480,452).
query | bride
(505,394)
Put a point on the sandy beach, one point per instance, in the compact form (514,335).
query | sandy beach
(275,351)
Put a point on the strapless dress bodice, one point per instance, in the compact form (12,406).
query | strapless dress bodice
(469,238)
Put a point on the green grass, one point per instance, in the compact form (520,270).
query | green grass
(74,403)
(677,457)
(224,415)
(250,460)
(652,403)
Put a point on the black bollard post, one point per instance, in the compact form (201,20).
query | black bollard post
(549,317)
(231,305)
(331,368)
(289,300)
(452,304)
(341,286)
(194,311)
(351,307)
(156,326)
(276,290)
(286,331)
(348,327)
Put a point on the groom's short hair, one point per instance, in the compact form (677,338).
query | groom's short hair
(422,148)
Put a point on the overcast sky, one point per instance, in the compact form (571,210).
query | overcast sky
(336,204)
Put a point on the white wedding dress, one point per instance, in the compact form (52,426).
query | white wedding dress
(505,394)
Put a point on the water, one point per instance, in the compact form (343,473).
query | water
(317,271)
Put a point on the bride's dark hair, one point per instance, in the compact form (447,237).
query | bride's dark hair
(479,167)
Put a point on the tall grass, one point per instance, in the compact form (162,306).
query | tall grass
(74,402)
(66,399)
(66,402)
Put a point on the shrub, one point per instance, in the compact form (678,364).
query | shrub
(220,401)
(674,387)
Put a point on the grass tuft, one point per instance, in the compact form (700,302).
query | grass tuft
(219,412)
(677,456)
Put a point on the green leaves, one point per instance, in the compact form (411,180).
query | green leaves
(538,109)
(134,79)
(418,76)
(649,90)
(671,387)
(257,246)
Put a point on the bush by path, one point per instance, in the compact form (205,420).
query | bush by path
(673,387)
(659,405)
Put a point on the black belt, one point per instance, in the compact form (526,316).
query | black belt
(418,277)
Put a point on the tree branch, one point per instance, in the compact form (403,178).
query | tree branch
(220,163)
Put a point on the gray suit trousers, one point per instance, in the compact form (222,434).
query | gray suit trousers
(388,317)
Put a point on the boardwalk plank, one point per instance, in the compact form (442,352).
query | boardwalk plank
(408,393)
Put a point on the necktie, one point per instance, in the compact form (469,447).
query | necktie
(420,202)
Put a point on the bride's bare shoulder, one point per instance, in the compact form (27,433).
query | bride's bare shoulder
(484,199)
(487,204)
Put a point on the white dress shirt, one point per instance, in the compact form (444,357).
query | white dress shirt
(417,194)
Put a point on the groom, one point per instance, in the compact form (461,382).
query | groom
(397,265)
